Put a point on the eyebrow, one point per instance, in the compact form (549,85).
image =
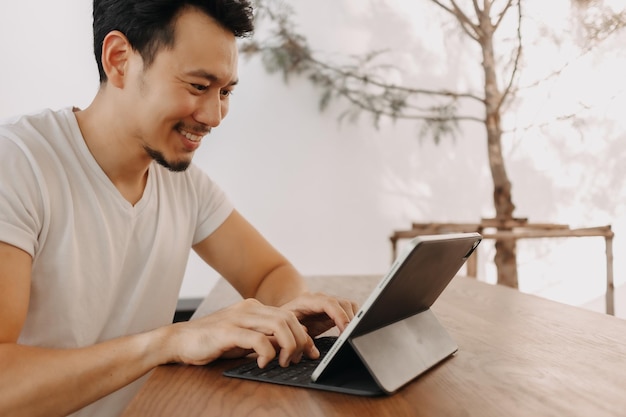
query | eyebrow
(210,77)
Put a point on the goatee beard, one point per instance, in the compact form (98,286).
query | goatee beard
(178,166)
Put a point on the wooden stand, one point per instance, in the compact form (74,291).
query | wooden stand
(516,229)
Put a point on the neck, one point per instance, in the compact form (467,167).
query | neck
(111,144)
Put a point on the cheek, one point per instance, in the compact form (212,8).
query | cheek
(184,104)
(175,102)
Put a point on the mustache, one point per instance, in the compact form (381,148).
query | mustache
(197,129)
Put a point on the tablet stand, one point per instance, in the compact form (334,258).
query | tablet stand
(399,352)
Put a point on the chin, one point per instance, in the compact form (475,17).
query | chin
(174,166)
(178,166)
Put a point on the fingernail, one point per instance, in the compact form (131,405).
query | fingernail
(316,351)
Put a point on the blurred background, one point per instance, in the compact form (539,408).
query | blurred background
(328,193)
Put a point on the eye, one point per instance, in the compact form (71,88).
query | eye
(226,93)
(199,87)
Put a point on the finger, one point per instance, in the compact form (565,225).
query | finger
(250,340)
(294,342)
(265,349)
(288,353)
(340,311)
(287,334)
(279,327)
(350,307)
(311,350)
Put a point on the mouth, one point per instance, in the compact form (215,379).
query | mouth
(194,137)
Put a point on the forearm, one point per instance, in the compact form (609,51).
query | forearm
(246,259)
(280,286)
(55,382)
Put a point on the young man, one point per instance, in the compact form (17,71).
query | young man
(99,208)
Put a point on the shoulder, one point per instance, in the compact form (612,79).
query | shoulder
(41,120)
(42,140)
(37,129)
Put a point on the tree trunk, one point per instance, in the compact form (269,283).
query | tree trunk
(506,256)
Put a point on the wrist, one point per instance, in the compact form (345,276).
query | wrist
(158,347)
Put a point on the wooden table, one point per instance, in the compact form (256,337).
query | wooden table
(519,355)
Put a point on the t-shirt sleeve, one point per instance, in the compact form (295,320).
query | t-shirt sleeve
(213,205)
(21,202)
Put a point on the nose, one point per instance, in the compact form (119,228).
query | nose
(210,111)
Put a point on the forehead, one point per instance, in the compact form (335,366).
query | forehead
(202,44)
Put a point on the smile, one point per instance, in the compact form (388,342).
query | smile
(190,136)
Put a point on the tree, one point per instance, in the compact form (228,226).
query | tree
(362,84)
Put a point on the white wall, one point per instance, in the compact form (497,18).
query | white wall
(329,195)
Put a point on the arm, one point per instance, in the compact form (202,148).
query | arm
(238,252)
(256,269)
(36,381)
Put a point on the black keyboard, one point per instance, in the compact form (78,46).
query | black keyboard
(298,374)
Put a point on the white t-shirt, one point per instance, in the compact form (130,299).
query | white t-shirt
(102,267)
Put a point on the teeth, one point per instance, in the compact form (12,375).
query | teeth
(191,137)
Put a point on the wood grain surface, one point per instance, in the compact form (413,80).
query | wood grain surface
(519,355)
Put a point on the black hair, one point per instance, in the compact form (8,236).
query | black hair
(149,24)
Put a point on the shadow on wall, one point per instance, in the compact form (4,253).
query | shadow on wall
(581,188)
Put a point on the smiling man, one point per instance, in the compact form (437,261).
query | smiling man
(100,207)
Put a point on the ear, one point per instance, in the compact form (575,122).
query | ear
(116,54)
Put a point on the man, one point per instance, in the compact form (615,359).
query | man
(99,208)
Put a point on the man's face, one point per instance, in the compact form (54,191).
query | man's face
(185,92)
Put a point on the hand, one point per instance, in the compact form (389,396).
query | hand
(240,329)
(320,312)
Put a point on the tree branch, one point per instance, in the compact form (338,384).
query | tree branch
(368,80)
(477,9)
(595,40)
(470,28)
(350,96)
(503,13)
(518,54)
